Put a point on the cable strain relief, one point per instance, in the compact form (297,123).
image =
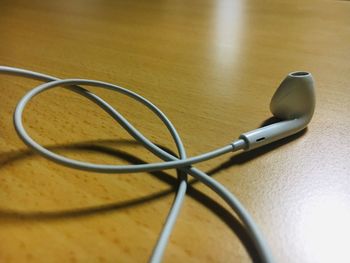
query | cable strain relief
(239,144)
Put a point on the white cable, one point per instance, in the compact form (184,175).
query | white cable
(174,163)
(179,198)
(182,163)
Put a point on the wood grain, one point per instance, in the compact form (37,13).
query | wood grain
(212,67)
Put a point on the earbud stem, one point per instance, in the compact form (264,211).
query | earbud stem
(272,132)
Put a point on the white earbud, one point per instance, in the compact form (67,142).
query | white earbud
(293,103)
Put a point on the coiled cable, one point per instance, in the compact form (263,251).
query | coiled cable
(183,164)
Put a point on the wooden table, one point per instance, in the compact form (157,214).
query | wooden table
(212,67)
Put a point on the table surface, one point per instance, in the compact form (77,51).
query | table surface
(212,67)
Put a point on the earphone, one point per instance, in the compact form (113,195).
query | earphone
(293,103)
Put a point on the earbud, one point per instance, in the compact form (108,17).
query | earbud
(293,103)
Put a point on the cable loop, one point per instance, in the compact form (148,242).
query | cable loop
(183,164)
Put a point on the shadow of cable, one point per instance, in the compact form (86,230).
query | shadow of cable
(220,211)
(7,158)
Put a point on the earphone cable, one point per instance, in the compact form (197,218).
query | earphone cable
(182,163)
